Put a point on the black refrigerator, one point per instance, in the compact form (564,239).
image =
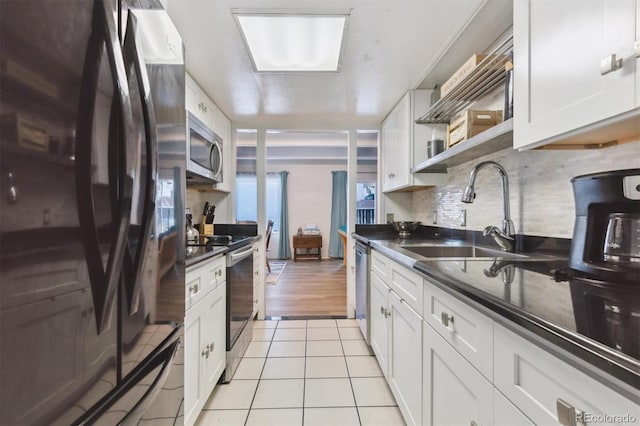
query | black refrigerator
(92,174)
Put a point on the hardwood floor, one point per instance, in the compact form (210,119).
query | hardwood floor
(309,288)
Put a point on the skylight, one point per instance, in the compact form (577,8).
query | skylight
(293,42)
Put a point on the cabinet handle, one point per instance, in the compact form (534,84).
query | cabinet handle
(210,347)
(567,413)
(609,64)
(382,310)
(387,313)
(203,107)
(446,319)
(205,354)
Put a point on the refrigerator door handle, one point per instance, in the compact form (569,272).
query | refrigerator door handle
(104,281)
(164,358)
(133,55)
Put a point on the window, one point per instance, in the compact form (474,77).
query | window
(247,196)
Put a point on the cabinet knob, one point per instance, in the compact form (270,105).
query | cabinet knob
(446,319)
(387,313)
(210,347)
(382,310)
(609,64)
(205,354)
(567,414)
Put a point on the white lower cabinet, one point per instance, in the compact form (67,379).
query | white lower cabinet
(396,339)
(194,397)
(452,364)
(258,286)
(405,358)
(506,414)
(547,389)
(204,348)
(454,392)
(379,329)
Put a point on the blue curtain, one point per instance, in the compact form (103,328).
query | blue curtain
(284,248)
(338,212)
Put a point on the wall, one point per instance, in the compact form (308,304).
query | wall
(541,195)
(309,190)
(195,200)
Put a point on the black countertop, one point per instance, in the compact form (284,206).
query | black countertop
(597,323)
(197,254)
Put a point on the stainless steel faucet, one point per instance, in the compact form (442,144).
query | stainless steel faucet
(505,237)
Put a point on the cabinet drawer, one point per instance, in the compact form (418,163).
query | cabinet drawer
(408,284)
(203,278)
(466,329)
(536,381)
(380,265)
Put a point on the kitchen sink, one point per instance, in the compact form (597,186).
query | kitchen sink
(461,252)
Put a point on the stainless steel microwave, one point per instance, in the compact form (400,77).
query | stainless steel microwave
(204,152)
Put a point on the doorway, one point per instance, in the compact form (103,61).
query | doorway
(308,288)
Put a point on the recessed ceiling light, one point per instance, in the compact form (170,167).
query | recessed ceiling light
(292,41)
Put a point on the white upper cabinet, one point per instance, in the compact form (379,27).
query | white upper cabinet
(567,88)
(404,144)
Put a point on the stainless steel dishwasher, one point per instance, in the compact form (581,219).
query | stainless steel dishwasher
(363,252)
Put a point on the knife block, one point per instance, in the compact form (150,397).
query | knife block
(205,228)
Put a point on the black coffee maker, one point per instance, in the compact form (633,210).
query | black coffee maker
(604,278)
(606,234)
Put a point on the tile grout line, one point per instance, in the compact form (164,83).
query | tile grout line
(264,364)
(355,401)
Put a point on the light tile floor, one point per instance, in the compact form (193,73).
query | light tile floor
(304,372)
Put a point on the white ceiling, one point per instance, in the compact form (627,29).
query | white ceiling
(390,46)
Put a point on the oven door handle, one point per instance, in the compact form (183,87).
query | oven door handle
(239,255)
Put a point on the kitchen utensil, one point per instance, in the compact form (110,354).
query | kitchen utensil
(622,240)
(206,208)
(405,228)
(435,147)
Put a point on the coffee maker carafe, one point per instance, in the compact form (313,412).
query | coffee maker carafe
(606,234)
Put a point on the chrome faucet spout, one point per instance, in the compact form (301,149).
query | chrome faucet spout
(504,238)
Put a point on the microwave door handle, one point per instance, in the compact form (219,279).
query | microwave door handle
(216,168)
(104,282)
(132,55)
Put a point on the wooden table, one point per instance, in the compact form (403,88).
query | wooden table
(306,243)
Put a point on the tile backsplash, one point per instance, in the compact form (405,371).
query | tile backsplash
(541,196)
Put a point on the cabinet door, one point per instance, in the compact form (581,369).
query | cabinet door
(506,414)
(454,392)
(536,381)
(194,348)
(405,358)
(191,97)
(558,47)
(258,287)
(388,146)
(213,338)
(379,332)
(403,142)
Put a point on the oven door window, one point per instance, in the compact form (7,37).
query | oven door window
(200,149)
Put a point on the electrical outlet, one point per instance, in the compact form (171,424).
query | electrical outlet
(389,217)
(435,217)
(463,218)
